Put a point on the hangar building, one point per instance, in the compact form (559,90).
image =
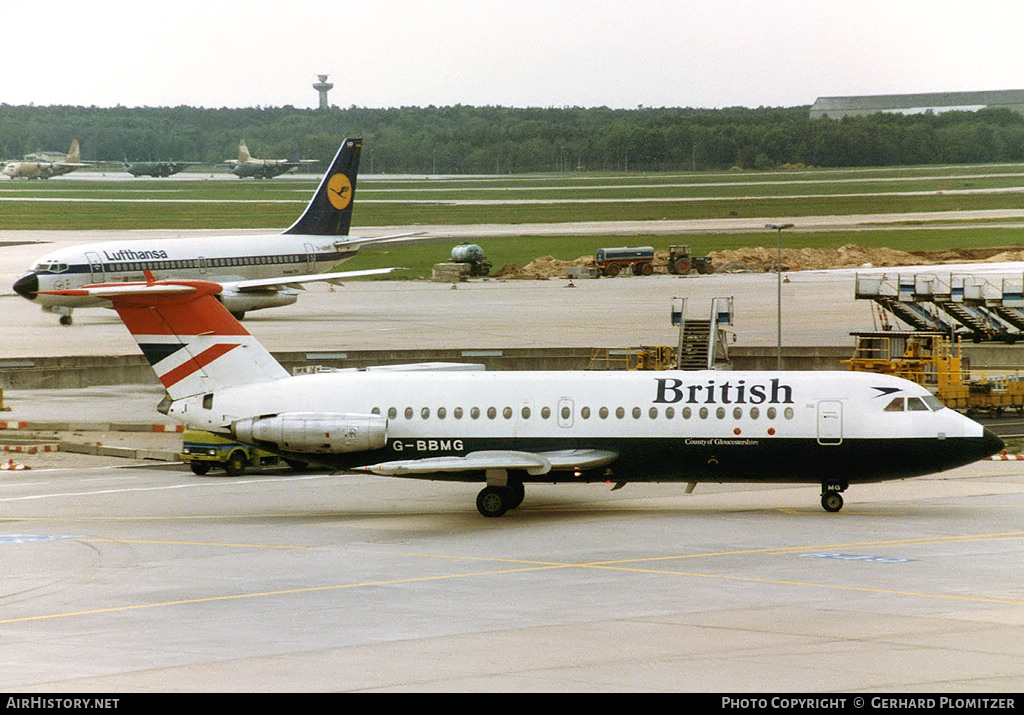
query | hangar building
(839,107)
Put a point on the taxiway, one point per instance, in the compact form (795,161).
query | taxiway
(152,579)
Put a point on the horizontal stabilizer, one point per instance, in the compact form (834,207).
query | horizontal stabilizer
(533,463)
(114,290)
(189,338)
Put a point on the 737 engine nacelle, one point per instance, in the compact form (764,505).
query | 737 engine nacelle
(239,302)
(314,432)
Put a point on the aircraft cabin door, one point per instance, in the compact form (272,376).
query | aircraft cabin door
(95,267)
(310,258)
(830,422)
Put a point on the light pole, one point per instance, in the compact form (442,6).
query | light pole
(777,227)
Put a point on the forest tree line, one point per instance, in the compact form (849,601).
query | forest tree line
(488,140)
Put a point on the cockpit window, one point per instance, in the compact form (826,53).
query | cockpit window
(924,403)
(50,267)
(916,404)
(895,406)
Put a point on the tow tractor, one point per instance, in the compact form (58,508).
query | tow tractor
(681,261)
(202,451)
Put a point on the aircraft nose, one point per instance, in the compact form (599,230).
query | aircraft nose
(27,286)
(991,443)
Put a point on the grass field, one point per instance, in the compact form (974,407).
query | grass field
(86,201)
(419,260)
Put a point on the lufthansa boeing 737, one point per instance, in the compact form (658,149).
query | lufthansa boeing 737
(255,271)
(508,428)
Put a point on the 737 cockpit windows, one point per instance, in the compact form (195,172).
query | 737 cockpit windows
(50,267)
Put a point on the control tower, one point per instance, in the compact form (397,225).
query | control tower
(323,87)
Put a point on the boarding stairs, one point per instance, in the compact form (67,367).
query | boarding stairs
(980,307)
(895,295)
(970,300)
(703,342)
(702,345)
(1006,301)
(693,345)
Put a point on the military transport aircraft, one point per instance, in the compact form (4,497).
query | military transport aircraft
(246,166)
(44,168)
(156,168)
(255,271)
(506,428)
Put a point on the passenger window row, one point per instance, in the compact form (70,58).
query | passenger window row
(194,263)
(585,413)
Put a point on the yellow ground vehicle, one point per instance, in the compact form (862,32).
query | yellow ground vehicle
(203,450)
(933,361)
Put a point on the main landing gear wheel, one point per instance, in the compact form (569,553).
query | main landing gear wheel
(494,501)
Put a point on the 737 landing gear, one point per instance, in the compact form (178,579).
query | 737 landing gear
(63,314)
(831,496)
(495,500)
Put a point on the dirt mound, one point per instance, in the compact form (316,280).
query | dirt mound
(541,268)
(793,259)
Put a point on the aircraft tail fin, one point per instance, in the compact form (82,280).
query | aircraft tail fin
(329,212)
(74,153)
(243,152)
(192,342)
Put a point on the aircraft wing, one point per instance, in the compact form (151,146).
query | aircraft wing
(396,238)
(262,284)
(533,463)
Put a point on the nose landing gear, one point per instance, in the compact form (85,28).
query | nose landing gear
(831,496)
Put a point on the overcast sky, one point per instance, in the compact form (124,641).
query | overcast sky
(521,53)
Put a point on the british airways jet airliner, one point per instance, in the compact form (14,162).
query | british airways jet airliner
(255,271)
(509,428)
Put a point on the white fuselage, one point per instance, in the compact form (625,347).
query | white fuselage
(708,425)
(225,260)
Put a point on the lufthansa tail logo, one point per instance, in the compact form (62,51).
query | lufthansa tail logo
(339,191)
